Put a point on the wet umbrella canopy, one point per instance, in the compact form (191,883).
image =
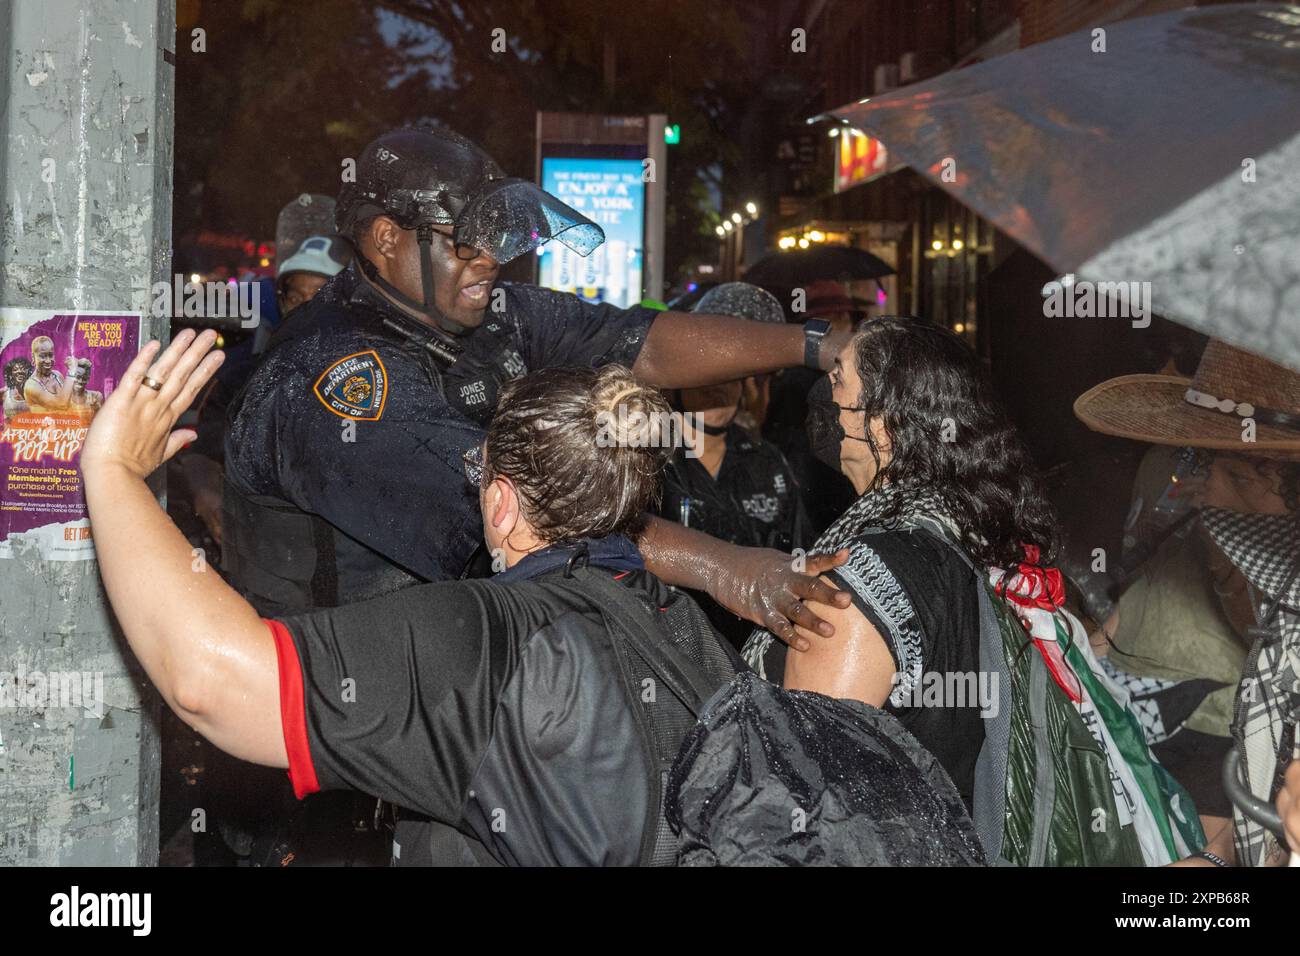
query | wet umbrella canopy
(800,266)
(1173,157)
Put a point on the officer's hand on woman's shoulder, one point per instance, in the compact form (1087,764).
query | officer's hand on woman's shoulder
(776,590)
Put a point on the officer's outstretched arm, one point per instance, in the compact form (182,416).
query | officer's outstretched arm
(204,647)
(768,587)
(684,350)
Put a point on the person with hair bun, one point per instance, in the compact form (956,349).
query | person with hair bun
(526,719)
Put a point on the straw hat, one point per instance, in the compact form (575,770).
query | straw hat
(1207,411)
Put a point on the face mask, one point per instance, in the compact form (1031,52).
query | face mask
(825,433)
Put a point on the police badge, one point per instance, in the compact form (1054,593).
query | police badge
(354,387)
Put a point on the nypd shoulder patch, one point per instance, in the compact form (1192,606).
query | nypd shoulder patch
(354,387)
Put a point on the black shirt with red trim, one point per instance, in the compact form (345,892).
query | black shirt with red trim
(493,708)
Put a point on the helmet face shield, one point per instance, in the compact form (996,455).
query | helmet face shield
(510,217)
(427,181)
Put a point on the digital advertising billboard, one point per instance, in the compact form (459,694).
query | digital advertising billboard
(611,193)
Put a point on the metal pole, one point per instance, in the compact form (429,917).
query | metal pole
(86,171)
(656,194)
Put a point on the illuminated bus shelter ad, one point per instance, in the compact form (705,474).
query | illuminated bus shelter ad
(611,194)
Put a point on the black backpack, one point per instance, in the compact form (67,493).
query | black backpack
(896,803)
(672,662)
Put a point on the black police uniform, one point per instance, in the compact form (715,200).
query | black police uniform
(344,470)
(753,501)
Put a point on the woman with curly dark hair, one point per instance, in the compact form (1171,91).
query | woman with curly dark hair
(908,416)
(949,546)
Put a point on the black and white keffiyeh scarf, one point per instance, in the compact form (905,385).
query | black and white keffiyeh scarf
(1145,800)
(1266,550)
(893,507)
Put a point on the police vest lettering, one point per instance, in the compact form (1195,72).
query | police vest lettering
(513,363)
(475,393)
(764,508)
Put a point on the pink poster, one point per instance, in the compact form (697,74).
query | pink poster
(58,368)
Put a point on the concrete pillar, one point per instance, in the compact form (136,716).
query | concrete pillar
(88,84)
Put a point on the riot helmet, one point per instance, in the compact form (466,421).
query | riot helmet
(424,178)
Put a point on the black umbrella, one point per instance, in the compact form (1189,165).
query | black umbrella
(798,267)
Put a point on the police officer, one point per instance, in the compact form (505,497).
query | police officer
(727,481)
(344,451)
(299,277)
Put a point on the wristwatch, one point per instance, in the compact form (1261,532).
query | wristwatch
(814,330)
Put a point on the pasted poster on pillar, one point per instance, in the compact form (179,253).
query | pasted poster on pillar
(59,367)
